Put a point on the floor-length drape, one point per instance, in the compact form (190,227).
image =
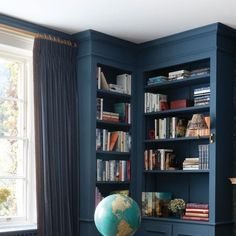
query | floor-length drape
(56,136)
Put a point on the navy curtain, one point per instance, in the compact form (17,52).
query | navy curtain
(56,123)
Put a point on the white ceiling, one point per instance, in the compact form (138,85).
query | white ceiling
(133,20)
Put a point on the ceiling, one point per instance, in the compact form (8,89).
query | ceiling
(133,20)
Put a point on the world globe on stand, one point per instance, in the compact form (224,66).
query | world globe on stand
(117,215)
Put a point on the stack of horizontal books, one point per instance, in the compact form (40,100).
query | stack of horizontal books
(202,96)
(196,211)
(179,74)
(191,163)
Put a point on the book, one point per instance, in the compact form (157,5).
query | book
(124,81)
(156,80)
(201,71)
(99,108)
(197,206)
(197,210)
(99,77)
(113,140)
(122,110)
(195,218)
(196,214)
(181,103)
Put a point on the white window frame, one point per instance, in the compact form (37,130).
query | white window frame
(19,48)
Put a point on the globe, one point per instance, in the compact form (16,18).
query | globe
(117,215)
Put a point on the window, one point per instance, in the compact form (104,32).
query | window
(17,171)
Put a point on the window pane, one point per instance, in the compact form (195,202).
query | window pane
(11,78)
(11,118)
(11,157)
(12,192)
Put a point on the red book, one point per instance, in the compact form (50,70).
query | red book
(128,170)
(195,218)
(113,140)
(197,205)
(180,104)
(197,210)
(197,214)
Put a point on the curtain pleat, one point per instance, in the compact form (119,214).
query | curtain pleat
(56,111)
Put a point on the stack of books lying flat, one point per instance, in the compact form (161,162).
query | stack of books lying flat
(191,163)
(196,211)
(202,96)
(157,79)
(200,72)
(179,74)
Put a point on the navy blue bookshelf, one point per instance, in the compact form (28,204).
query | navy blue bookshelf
(210,46)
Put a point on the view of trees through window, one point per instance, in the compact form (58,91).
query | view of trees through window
(12,138)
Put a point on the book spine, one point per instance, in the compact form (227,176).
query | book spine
(195,218)
(196,214)
(197,210)
(197,206)
(99,77)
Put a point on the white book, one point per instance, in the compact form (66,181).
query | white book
(99,77)
(122,80)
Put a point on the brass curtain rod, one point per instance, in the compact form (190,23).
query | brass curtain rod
(56,39)
(17,31)
(29,34)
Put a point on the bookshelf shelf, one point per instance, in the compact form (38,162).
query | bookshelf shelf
(176,171)
(187,110)
(117,125)
(180,139)
(179,83)
(173,220)
(110,94)
(113,155)
(113,182)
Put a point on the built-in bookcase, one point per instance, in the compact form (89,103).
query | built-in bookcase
(113,131)
(180,182)
(209,46)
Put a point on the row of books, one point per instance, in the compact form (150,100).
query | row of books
(119,141)
(177,75)
(202,96)
(173,127)
(169,127)
(123,82)
(121,112)
(203,156)
(196,211)
(154,102)
(155,203)
(99,196)
(159,159)
(113,170)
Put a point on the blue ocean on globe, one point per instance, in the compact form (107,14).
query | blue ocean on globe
(117,215)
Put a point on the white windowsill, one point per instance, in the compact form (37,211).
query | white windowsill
(17,228)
